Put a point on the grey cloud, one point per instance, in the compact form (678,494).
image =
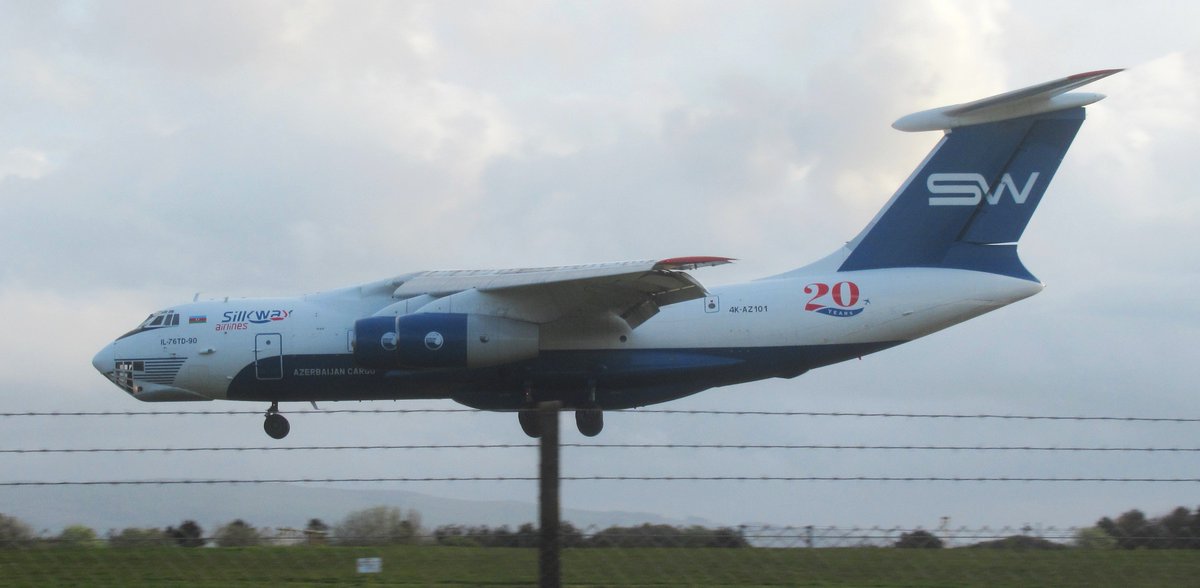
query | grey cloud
(278,148)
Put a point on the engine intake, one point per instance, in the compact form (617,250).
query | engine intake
(442,340)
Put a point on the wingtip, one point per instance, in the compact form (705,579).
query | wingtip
(1100,73)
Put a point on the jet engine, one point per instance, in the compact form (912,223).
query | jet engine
(442,340)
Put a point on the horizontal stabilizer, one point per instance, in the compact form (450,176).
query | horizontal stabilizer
(1040,99)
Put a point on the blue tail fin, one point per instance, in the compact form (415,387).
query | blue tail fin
(966,206)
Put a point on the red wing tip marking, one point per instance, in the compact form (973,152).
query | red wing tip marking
(1095,74)
(693,262)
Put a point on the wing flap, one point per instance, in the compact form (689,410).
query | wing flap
(632,290)
(442,282)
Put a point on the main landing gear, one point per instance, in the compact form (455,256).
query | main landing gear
(276,425)
(589,418)
(590,421)
(530,422)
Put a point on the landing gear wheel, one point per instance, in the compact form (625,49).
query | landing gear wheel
(590,421)
(276,425)
(530,422)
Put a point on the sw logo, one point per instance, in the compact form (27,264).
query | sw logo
(973,186)
(844,296)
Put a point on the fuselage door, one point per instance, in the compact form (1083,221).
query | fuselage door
(268,356)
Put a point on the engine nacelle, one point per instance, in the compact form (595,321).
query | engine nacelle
(442,340)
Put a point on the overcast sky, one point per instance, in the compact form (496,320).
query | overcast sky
(150,150)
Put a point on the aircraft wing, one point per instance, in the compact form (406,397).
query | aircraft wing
(632,290)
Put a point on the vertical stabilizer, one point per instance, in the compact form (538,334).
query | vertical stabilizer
(966,206)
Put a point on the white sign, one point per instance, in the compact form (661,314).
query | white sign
(370,565)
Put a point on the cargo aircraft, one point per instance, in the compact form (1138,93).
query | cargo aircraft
(609,336)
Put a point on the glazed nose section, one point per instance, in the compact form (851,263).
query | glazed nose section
(104,360)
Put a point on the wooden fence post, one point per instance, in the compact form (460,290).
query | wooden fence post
(550,544)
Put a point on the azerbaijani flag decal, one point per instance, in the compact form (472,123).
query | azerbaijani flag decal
(197,319)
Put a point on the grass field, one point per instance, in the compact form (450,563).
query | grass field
(465,566)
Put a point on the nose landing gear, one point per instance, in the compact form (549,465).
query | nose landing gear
(276,425)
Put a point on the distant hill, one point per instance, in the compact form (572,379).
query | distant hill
(271,505)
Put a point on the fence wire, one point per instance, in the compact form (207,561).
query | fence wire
(737,446)
(666,411)
(621,478)
(240,554)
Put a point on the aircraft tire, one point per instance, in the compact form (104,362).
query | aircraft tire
(590,421)
(530,423)
(276,426)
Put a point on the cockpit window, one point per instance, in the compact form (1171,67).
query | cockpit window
(158,320)
(165,318)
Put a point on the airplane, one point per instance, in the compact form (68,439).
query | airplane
(611,336)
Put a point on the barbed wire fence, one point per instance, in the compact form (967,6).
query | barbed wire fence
(628,555)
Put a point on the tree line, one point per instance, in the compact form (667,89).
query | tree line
(1179,529)
(645,535)
(380,525)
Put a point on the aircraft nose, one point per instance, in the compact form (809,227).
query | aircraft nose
(103,362)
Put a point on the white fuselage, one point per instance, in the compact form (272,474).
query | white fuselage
(858,311)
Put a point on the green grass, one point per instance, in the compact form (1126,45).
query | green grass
(467,566)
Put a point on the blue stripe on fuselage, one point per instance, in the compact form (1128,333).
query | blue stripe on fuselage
(623,378)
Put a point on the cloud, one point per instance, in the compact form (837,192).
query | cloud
(24,163)
(152,150)
(1153,123)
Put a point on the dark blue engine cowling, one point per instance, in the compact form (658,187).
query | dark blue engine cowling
(427,340)
(442,340)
